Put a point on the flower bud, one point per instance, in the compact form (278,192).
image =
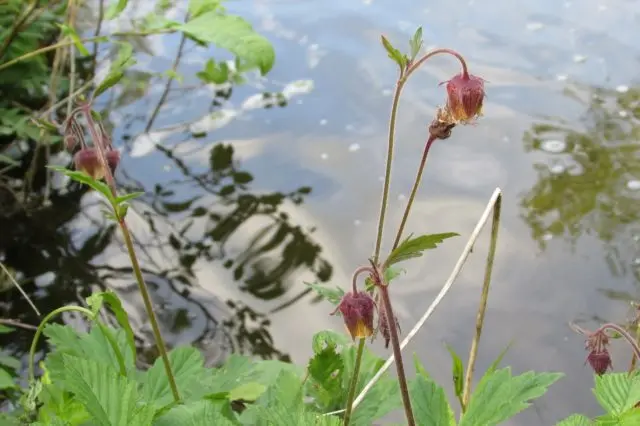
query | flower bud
(358,311)
(70,141)
(113,159)
(465,95)
(88,161)
(600,361)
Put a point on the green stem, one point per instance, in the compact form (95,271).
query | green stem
(414,191)
(473,352)
(144,291)
(116,349)
(354,382)
(404,76)
(387,174)
(634,359)
(40,329)
(397,353)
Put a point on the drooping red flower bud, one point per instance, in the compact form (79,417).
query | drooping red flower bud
(600,361)
(88,161)
(598,358)
(70,141)
(358,311)
(113,159)
(465,96)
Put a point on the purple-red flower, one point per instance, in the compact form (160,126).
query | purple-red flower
(88,161)
(357,309)
(465,96)
(598,358)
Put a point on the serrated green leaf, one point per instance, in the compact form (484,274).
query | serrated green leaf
(575,420)
(398,57)
(429,403)
(187,365)
(66,30)
(325,377)
(457,371)
(413,247)
(617,392)
(500,396)
(92,346)
(382,398)
(332,295)
(496,362)
(415,43)
(420,368)
(82,177)
(127,197)
(197,413)
(115,9)
(282,405)
(121,315)
(329,338)
(235,35)
(111,399)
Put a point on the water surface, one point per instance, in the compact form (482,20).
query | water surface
(283,195)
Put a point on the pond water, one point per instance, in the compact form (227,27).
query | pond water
(282,195)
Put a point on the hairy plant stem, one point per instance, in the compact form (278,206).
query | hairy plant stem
(414,190)
(397,353)
(354,382)
(402,79)
(482,307)
(634,358)
(99,143)
(45,320)
(624,333)
(387,174)
(144,291)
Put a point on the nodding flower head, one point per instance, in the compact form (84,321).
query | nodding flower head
(88,161)
(465,96)
(598,358)
(357,309)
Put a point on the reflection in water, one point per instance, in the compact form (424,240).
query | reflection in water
(592,187)
(44,243)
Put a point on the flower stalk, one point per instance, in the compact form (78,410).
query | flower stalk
(100,160)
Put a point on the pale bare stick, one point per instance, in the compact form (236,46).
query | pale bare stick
(497,193)
(6,271)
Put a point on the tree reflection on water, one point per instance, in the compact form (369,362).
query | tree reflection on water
(45,240)
(593,186)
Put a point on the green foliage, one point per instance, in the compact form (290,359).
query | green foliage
(576,420)
(415,44)
(617,393)
(500,396)
(429,403)
(123,61)
(414,247)
(332,295)
(457,372)
(115,8)
(234,34)
(397,56)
